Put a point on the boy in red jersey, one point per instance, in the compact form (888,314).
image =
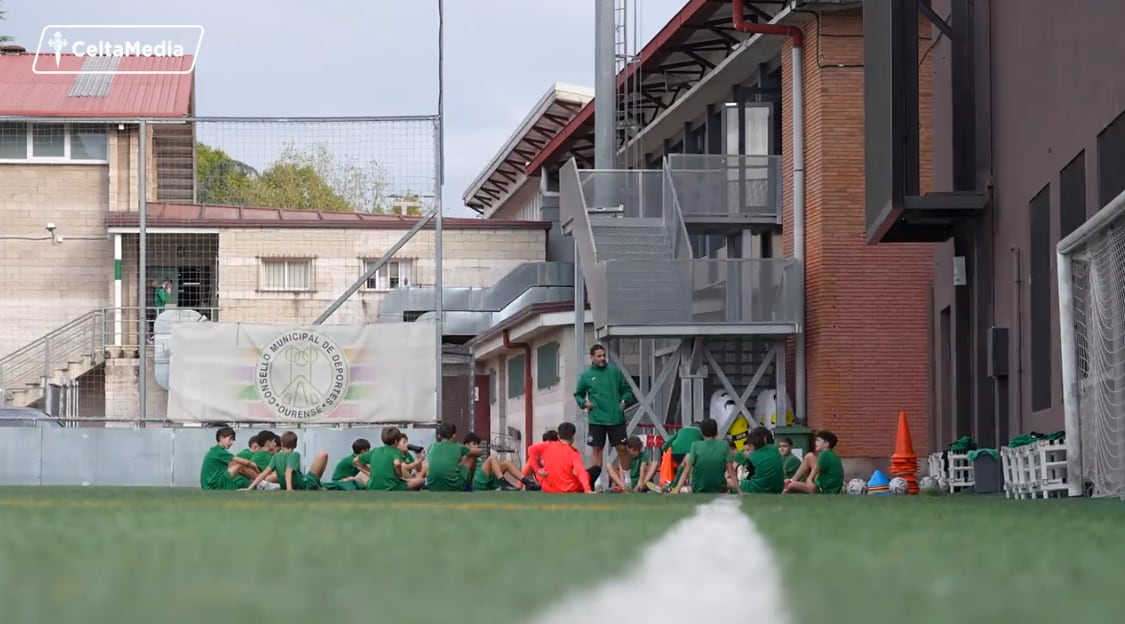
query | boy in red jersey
(561,470)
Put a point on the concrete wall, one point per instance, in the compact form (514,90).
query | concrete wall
(147,457)
(1051,95)
(866,312)
(471,258)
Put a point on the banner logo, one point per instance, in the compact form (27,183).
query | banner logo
(302,375)
(113,43)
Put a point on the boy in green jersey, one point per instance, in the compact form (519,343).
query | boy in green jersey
(763,463)
(268,442)
(345,476)
(223,471)
(709,463)
(384,465)
(251,448)
(824,469)
(286,463)
(638,474)
(492,473)
(790,462)
(450,466)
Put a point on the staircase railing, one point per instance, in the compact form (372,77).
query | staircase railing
(674,217)
(38,359)
(573,208)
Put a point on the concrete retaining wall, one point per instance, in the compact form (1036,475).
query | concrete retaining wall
(147,457)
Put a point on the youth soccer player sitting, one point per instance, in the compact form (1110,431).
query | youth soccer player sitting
(561,469)
(532,473)
(286,463)
(709,463)
(268,442)
(251,448)
(492,473)
(764,464)
(384,465)
(824,469)
(638,475)
(790,462)
(345,476)
(449,465)
(223,471)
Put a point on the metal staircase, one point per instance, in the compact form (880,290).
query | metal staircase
(729,317)
(62,355)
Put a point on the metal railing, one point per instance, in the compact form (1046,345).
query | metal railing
(743,291)
(628,193)
(121,329)
(38,361)
(572,207)
(717,186)
(674,219)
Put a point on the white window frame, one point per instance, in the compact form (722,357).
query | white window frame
(380,282)
(287,286)
(68,135)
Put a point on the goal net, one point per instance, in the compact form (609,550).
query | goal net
(1092,320)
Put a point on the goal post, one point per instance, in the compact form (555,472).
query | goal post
(1091,277)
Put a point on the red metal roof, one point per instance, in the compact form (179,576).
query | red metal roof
(205,216)
(669,36)
(25,93)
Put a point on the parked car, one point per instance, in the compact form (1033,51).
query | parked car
(25,417)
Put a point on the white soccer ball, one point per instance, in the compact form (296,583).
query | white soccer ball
(857,487)
(943,484)
(928,485)
(898,485)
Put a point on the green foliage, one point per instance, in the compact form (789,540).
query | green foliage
(300,179)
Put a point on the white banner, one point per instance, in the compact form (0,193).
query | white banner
(232,372)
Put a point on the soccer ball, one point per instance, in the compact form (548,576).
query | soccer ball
(898,485)
(943,484)
(857,487)
(928,485)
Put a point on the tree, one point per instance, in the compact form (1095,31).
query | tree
(3,38)
(222,179)
(300,179)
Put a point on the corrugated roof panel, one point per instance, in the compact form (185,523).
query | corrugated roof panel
(23,92)
(94,84)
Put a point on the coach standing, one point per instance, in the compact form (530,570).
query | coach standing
(603,392)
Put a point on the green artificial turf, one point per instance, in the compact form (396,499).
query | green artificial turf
(162,555)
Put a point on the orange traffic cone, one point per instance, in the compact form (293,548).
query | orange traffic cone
(667,468)
(904,463)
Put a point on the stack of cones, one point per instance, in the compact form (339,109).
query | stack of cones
(878,485)
(904,463)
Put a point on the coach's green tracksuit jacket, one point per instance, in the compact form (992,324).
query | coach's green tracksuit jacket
(606,388)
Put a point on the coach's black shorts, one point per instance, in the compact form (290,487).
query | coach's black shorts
(596,435)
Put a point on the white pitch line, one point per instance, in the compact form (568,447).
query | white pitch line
(713,567)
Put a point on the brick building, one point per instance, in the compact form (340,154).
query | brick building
(69,156)
(712,94)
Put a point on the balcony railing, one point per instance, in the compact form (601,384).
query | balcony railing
(724,188)
(629,193)
(706,291)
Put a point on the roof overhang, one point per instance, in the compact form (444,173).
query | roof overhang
(694,43)
(506,171)
(525,325)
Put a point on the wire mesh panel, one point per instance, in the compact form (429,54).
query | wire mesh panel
(248,220)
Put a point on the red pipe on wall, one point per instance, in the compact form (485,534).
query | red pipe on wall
(741,25)
(528,399)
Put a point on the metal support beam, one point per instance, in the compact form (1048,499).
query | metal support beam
(142,274)
(646,401)
(335,305)
(741,398)
(605,85)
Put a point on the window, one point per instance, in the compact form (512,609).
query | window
(547,366)
(1111,161)
(515,376)
(1072,195)
(393,274)
(53,142)
(286,275)
(1042,358)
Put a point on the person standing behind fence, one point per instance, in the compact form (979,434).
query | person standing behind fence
(160,296)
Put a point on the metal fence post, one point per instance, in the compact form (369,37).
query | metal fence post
(142,289)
